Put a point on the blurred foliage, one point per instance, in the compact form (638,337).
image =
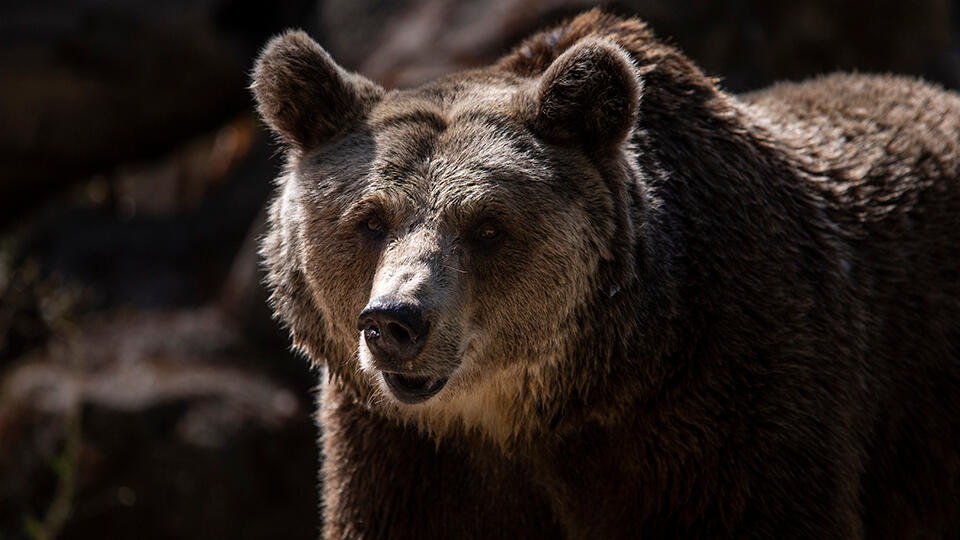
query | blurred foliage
(65,467)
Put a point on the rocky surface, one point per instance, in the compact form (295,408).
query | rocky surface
(165,419)
(86,85)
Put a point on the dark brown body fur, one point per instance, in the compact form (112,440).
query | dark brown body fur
(768,344)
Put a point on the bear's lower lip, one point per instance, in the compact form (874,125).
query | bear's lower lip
(412,389)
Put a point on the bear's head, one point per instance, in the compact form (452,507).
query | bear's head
(447,250)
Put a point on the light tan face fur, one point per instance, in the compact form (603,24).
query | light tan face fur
(434,173)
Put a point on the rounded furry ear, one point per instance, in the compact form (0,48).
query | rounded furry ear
(303,95)
(589,95)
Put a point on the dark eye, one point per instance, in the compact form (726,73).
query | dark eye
(488,231)
(374,226)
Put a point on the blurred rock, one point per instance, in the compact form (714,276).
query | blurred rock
(148,242)
(88,84)
(749,43)
(244,299)
(945,68)
(32,309)
(175,435)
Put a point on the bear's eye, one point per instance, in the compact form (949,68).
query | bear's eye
(374,225)
(487,232)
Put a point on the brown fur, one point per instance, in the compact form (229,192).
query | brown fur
(703,315)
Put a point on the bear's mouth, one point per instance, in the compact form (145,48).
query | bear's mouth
(411,389)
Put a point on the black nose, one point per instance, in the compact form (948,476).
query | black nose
(394,331)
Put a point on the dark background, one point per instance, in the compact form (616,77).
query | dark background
(144,390)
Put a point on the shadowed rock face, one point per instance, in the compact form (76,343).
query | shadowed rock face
(749,44)
(156,419)
(87,85)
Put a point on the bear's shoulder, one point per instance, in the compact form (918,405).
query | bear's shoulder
(865,129)
(897,101)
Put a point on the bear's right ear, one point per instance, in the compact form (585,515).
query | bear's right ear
(303,95)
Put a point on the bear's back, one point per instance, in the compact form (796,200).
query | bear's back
(881,145)
(884,151)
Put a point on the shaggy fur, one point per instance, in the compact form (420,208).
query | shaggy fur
(663,311)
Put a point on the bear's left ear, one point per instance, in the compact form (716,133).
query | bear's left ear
(589,95)
(304,96)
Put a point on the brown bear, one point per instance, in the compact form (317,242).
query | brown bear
(585,293)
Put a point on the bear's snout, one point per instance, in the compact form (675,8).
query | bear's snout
(395,331)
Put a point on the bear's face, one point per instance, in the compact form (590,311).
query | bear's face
(443,238)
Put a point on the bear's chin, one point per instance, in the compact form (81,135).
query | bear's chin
(408,383)
(412,389)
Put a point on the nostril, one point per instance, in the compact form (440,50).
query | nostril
(399,333)
(393,330)
(371,331)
